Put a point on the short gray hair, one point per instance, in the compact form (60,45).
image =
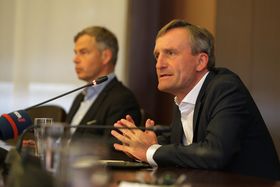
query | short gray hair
(105,39)
(201,39)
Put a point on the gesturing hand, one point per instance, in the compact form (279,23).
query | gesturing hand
(135,142)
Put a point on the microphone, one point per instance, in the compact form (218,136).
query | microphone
(13,124)
(93,83)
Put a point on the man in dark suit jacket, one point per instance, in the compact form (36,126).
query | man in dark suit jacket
(216,124)
(96,50)
(112,104)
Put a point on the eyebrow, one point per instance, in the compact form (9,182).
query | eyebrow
(82,49)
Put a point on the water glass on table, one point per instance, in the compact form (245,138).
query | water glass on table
(39,134)
(51,140)
(55,142)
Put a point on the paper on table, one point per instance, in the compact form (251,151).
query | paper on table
(110,161)
(5,146)
(136,184)
(124,164)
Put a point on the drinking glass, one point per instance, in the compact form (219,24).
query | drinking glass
(55,140)
(39,123)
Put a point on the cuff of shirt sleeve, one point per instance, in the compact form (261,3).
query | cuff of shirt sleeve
(150,153)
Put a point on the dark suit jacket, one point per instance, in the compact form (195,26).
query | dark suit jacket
(229,132)
(113,103)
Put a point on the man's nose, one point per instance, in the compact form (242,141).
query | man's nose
(160,61)
(76,59)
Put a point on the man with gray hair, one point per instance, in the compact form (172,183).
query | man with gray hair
(96,51)
(216,123)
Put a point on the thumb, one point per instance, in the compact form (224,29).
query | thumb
(129,118)
(149,123)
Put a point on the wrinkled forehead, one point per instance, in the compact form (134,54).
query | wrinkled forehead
(173,38)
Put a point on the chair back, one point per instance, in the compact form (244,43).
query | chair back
(48,111)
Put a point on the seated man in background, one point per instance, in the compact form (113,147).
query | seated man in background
(216,124)
(96,51)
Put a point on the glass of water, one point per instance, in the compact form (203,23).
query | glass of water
(39,124)
(55,140)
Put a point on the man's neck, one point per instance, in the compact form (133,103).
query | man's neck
(182,95)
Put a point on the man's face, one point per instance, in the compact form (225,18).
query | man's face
(176,66)
(88,59)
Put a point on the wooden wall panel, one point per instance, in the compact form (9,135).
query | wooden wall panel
(234,37)
(247,41)
(266,63)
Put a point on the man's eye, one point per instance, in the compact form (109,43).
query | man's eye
(156,56)
(82,53)
(170,53)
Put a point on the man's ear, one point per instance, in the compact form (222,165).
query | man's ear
(106,56)
(202,61)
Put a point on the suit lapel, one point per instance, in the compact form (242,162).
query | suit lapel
(75,107)
(198,103)
(177,127)
(93,110)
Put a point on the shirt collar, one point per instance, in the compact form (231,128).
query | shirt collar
(89,92)
(193,94)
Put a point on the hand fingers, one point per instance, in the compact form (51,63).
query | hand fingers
(122,138)
(128,123)
(126,127)
(120,147)
(124,149)
(129,118)
(149,123)
(123,129)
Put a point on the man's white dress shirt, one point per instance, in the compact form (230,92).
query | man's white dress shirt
(186,108)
